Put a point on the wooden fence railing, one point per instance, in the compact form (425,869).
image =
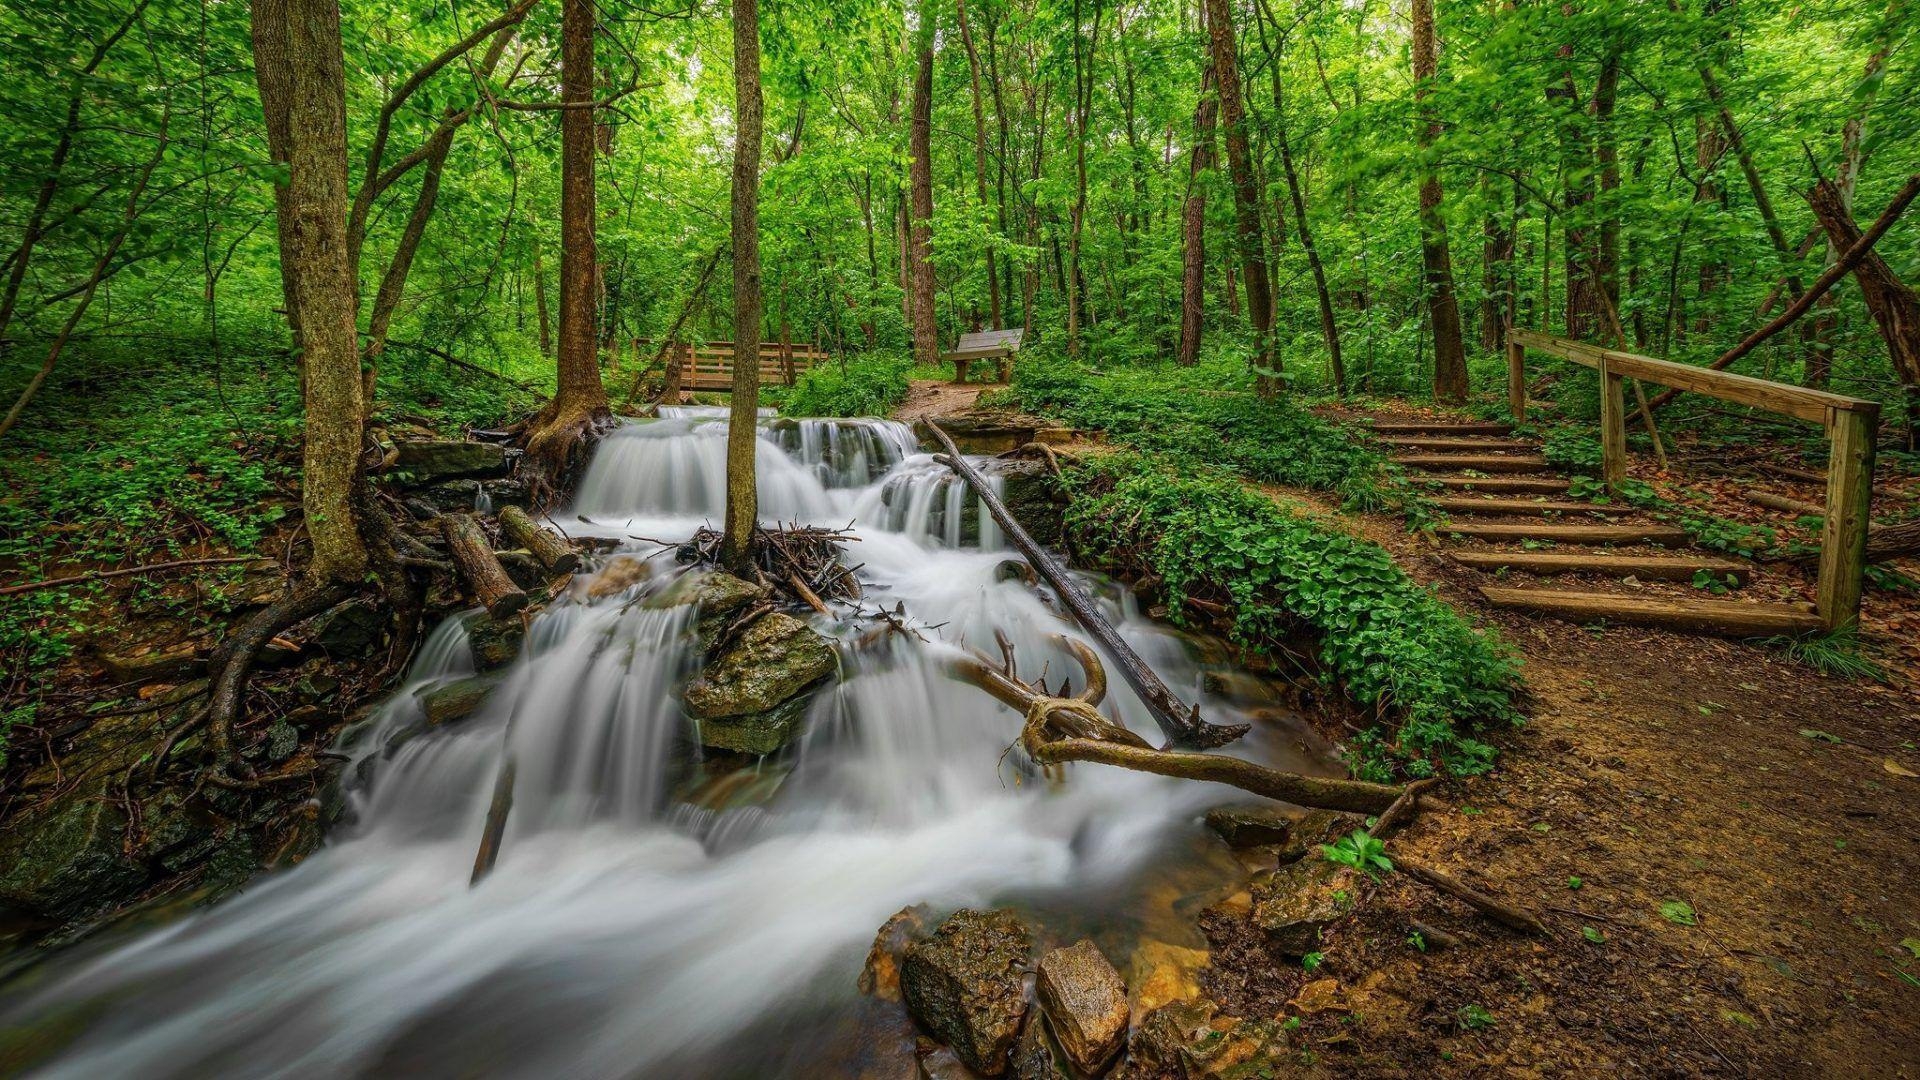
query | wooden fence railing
(710,366)
(1850,425)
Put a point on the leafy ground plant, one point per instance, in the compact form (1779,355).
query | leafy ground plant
(1392,644)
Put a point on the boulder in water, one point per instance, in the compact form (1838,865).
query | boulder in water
(1312,829)
(880,976)
(967,985)
(456,700)
(752,697)
(1296,902)
(495,642)
(1085,1002)
(1033,1056)
(1250,826)
(68,858)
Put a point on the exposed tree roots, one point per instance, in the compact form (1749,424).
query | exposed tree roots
(558,440)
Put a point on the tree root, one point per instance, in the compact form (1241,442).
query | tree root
(233,660)
(558,443)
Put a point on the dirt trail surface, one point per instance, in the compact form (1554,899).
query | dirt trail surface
(1719,839)
(933,399)
(1656,770)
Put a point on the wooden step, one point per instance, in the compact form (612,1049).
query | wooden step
(1728,618)
(1645,567)
(1440,427)
(1486,445)
(1478,462)
(1501,485)
(1574,534)
(1511,507)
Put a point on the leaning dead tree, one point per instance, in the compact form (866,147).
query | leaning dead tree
(1180,722)
(1067,727)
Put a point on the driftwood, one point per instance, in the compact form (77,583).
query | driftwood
(546,545)
(1062,729)
(481,567)
(801,561)
(1180,723)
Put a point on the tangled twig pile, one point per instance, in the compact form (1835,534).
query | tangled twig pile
(800,562)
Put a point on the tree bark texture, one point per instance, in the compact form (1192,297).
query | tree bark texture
(742,511)
(1248,242)
(1193,226)
(926,332)
(1443,308)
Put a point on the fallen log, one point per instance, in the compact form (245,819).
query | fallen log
(1883,542)
(480,567)
(553,552)
(1780,502)
(1179,722)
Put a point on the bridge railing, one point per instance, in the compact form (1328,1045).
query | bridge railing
(709,366)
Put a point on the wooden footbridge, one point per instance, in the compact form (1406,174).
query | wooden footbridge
(1511,515)
(709,366)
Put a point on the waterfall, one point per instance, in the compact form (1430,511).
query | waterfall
(633,926)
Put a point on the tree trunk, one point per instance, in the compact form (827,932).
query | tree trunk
(1329,329)
(926,332)
(1606,154)
(1443,310)
(1246,193)
(1193,226)
(1892,303)
(540,300)
(560,433)
(743,510)
(1852,142)
(307,63)
(980,156)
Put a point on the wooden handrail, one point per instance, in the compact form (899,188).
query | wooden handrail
(1851,424)
(1795,401)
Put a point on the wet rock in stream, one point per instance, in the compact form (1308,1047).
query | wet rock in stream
(752,697)
(880,975)
(1085,1003)
(456,700)
(1296,902)
(967,985)
(1250,826)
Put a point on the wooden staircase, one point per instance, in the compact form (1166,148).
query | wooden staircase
(1509,517)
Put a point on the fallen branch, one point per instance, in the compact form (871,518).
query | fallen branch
(1499,911)
(463,364)
(1180,723)
(496,827)
(1781,502)
(150,568)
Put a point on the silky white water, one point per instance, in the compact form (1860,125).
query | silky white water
(633,927)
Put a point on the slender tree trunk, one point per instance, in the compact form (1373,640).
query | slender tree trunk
(743,509)
(1082,104)
(1246,193)
(980,155)
(1329,328)
(1443,310)
(1826,325)
(1193,226)
(1606,154)
(306,62)
(926,332)
(540,301)
(579,406)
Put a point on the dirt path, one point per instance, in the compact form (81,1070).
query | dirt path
(935,399)
(1656,768)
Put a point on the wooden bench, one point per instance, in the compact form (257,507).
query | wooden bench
(999,345)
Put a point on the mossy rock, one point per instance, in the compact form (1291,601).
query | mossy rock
(495,642)
(967,985)
(68,859)
(759,733)
(1296,902)
(429,461)
(456,700)
(761,671)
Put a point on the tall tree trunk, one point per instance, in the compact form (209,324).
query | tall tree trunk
(1074,285)
(742,418)
(1826,325)
(272,69)
(1329,328)
(980,156)
(1606,154)
(306,61)
(1443,310)
(926,332)
(1193,226)
(559,434)
(1708,148)
(1246,193)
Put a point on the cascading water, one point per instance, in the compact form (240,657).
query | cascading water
(639,923)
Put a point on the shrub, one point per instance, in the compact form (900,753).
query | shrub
(869,385)
(1392,644)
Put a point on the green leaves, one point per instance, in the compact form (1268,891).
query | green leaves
(1678,912)
(1361,851)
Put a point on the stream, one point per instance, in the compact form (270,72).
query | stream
(653,913)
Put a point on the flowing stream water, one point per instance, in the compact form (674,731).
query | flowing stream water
(653,914)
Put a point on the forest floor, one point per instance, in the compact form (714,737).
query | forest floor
(1718,838)
(932,399)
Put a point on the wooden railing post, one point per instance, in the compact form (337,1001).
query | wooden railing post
(1516,378)
(1843,539)
(1613,428)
